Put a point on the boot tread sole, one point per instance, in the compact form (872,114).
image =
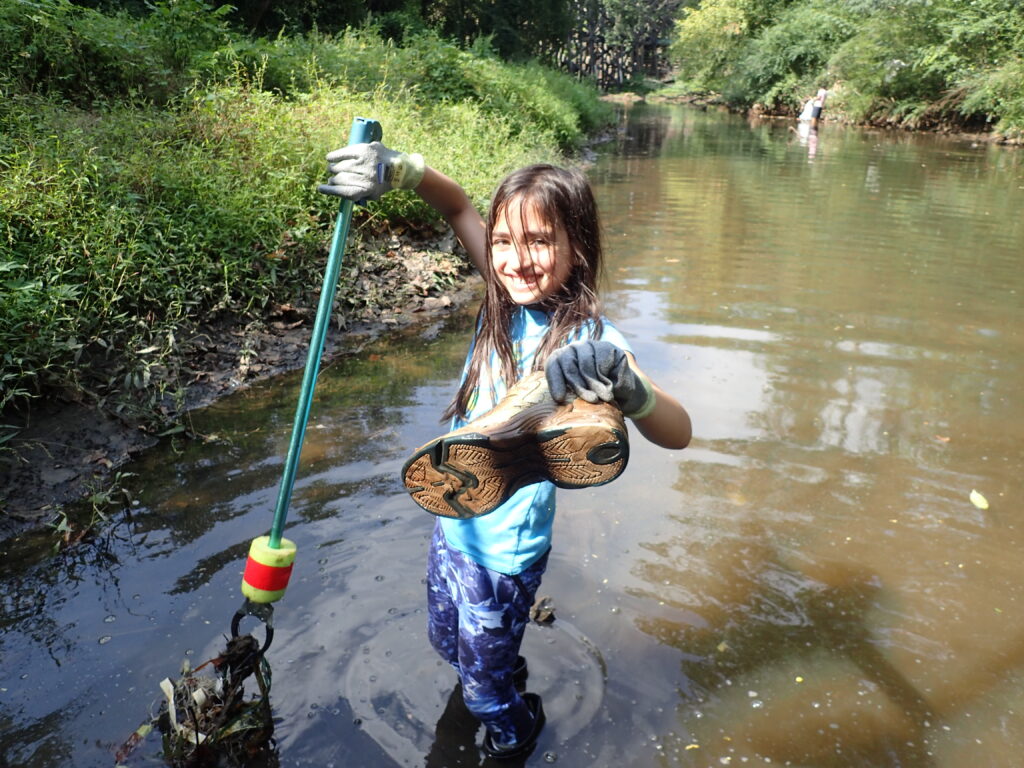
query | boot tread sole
(470,474)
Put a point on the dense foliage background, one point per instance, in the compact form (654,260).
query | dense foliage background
(158,169)
(916,63)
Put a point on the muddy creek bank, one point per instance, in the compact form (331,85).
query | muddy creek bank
(69,450)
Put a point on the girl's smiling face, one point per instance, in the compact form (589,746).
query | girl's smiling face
(531,256)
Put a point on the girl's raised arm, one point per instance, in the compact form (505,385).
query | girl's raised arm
(450,200)
(366,171)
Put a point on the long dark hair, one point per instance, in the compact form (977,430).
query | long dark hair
(564,198)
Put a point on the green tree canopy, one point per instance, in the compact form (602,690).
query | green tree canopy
(914,62)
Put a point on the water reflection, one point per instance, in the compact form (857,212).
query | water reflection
(822,609)
(808,137)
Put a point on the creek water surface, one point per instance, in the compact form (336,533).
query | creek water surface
(807,584)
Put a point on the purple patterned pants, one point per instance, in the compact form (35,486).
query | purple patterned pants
(476,619)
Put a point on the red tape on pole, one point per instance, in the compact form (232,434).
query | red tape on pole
(267,570)
(266,577)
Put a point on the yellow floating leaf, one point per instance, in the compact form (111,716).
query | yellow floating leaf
(978,500)
(692,746)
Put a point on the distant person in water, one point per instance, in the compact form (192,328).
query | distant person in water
(819,103)
(813,107)
(540,254)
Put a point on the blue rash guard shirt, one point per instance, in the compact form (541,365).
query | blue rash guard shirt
(517,533)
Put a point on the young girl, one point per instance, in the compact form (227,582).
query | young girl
(539,252)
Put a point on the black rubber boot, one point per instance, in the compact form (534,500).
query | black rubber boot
(520,674)
(524,747)
(455,736)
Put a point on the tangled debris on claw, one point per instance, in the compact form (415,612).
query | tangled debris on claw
(206,720)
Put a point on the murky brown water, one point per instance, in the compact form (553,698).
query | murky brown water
(807,584)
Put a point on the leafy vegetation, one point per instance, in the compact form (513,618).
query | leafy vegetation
(158,170)
(916,63)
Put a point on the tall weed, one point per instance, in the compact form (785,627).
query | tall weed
(999,93)
(82,55)
(426,70)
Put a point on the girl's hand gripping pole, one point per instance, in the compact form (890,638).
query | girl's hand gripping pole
(271,557)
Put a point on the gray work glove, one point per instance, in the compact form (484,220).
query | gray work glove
(598,371)
(366,171)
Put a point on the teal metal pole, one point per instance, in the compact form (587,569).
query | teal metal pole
(363,130)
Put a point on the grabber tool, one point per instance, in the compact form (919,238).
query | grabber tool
(271,557)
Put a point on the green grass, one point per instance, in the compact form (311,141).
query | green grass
(128,216)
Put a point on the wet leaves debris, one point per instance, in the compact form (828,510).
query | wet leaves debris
(207,720)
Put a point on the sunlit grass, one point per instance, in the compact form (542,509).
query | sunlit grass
(126,216)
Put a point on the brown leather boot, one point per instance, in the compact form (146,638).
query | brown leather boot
(524,439)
